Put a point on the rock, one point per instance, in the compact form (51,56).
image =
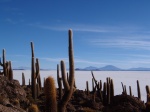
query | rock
(10,93)
(10,109)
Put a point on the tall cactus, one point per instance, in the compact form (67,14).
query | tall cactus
(33,75)
(50,94)
(67,95)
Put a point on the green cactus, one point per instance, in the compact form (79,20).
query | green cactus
(50,94)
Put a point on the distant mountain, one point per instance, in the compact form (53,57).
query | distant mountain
(91,68)
(112,68)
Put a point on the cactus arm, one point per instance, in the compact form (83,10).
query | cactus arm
(63,72)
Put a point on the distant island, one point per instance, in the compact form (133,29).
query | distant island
(111,68)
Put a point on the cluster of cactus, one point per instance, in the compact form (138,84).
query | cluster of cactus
(7,67)
(35,74)
(106,96)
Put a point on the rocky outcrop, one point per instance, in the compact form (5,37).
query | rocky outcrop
(12,96)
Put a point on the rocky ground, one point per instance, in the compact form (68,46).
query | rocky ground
(15,98)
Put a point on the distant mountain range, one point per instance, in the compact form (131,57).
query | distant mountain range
(92,68)
(111,68)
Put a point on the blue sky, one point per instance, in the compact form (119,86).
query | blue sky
(105,32)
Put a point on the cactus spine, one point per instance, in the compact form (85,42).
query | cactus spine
(50,94)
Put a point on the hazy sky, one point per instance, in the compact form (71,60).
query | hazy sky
(105,32)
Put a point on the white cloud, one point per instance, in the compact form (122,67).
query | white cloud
(121,43)
(89,28)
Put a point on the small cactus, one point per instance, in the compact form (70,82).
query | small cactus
(138,90)
(33,108)
(23,79)
(87,88)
